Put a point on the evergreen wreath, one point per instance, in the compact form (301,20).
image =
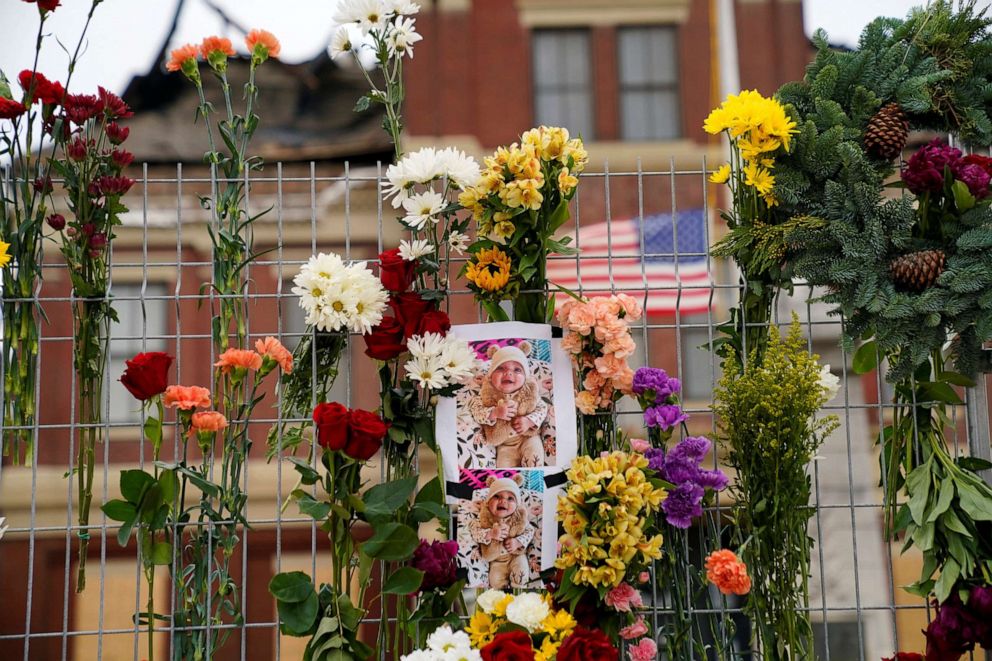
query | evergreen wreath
(936,68)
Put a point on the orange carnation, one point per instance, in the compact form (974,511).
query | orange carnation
(234,358)
(208,421)
(273,348)
(180,56)
(186,397)
(263,44)
(215,43)
(726,571)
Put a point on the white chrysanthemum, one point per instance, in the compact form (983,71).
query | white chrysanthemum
(335,296)
(461,169)
(419,655)
(829,383)
(413,250)
(417,167)
(371,15)
(422,208)
(341,42)
(402,36)
(372,299)
(487,600)
(428,345)
(444,640)
(427,371)
(528,610)
(458,359)
(458,241)
(403,7)
(461,654)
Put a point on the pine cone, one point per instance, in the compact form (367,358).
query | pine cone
(886,133)
(917,270)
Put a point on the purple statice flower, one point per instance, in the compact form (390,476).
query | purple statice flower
(693,448)
(653,385)
(924,171)
(715,480)
(683,504)
(664,416)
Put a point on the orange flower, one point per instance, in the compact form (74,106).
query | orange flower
(726,571)
(273,348)
(186,397)
(215,43)
(234,358)
(263,44)
(180,56)
(208,421)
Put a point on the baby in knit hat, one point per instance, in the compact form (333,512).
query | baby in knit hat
(509,408)
(503,532)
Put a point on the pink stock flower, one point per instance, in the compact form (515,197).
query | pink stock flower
(641,446)
(635,630)
(646,650)
(623,598)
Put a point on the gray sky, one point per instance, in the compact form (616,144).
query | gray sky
(127,34)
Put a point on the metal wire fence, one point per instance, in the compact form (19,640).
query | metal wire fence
(162,256)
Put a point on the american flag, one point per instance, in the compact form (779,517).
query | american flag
(662,277)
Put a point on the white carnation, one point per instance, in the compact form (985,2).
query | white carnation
(487,600)
(829,383)
(528,610)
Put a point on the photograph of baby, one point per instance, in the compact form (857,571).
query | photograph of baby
(499,527)
(505,417)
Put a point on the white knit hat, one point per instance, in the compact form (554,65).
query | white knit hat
(505,355)
(504,484)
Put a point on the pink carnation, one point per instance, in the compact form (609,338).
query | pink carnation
(581,319)
(631,307)
(646,650)
(623,598)
(572,342)
(611,366)
(585,401)
(635,630)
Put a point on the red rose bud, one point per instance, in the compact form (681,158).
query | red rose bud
(98,241)
(117,133)
(147,374)
(509,646)
(9,109)
(386,341)
(81,107)
(122,157)
(434,321)
(56,221)
(43,185)
(113,105)
(395,272)
(76,150)
(114,185)
(408,308)
(438,561)
(366,430)
(332,425)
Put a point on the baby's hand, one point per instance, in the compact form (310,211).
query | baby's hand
(522,424)
(505,410)
(500,532)
(513,545)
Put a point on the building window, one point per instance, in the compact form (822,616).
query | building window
(648,77)
(143,327)
(563,80)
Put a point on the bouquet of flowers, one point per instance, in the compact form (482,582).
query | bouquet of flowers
(611,534)
(518,204)
(597,335)
(759,130)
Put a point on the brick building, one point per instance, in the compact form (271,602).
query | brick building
(635,78)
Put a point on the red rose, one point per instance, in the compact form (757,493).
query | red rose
(510,646)
(365,433)
(386,340)
(332,425)
(409,307)
(434,321)
(9,109)
(395,272)
(587,645)
(146,375)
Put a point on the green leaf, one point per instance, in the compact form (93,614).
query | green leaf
(866,358)
(938,391)
(124,533)
(975,504)
(169,484)
(918,487)
(974,464)
(134,483)
(431,492)
(363,103)
(307,474)
(316,509)
(558,217)
(956,379)
(383,500)
(945,493)
(949,575)
(298,617)
(119,510)
(405,580)
(153,431)
(161,553)
(963,199)
(291,587)
(392,541)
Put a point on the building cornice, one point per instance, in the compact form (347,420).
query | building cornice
(565,13)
